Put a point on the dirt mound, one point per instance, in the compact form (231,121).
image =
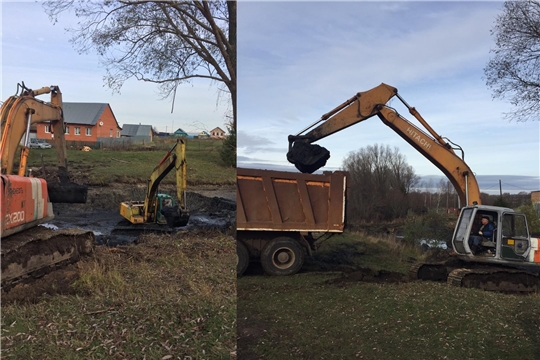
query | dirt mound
(213,205)
(344,256)
(352,275)
(55,283)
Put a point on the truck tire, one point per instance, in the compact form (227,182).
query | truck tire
(282,256)
(242,258)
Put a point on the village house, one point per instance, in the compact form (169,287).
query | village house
(84,122)
(217,133)
(203,135)
(180,133)
(535,199)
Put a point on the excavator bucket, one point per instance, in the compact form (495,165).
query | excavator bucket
(63,190)
(307,158)
(175,216)
(70,193)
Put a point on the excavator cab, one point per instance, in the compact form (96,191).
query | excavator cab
(511,240)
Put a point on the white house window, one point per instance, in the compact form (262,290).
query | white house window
(117,134)
(77,130)
(47,129)
(67,130)
(88,131)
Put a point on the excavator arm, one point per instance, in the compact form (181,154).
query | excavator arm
(150,210)
(17,114)
(174,159)
(308,157)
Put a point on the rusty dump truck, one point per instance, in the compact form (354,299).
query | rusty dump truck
(281,214)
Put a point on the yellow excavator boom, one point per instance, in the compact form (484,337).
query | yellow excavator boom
(364,105)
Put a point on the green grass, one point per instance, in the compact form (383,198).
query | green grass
(169,296)
(315,315)
(134,165)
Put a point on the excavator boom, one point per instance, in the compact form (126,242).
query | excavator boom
(17,114)
(308,157)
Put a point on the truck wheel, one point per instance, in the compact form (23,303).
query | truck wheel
(282,256)
(242,258)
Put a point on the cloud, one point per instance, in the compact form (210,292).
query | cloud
(298,61)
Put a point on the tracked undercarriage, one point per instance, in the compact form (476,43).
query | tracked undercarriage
(479,275)
(37,251)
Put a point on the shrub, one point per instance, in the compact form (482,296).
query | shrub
(533,218)
(432,227)
(228,149)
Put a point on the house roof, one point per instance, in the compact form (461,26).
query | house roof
(83,113)
(136,130)
(180,131)
(217,129)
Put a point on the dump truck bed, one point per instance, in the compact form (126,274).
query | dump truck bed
(270,200)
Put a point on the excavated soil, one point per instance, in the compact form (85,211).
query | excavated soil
(54,283)
(308,158)
(350,276)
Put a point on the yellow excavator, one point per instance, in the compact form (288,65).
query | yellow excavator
(509,262)
(26,202)
(160,209)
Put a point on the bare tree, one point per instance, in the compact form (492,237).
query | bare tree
(163,42)
(514,70)
(381,180)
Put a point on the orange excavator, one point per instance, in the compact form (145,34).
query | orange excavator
(509,261)
(26,202)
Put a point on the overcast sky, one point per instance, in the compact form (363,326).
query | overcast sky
(39,53)
(297,61)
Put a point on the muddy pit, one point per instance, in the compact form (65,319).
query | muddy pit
(210,208)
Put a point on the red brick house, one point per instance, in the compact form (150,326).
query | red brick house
(85,122)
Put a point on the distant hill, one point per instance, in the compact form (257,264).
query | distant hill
(489,184)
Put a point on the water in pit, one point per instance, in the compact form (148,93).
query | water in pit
(110,228)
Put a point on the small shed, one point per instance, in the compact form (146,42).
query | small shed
(138,132)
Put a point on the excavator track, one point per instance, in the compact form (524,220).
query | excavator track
(37,251)
(469,275)
(495,279)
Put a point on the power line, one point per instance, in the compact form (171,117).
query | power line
(519,187)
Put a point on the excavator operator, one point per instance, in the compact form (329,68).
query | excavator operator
(484,233)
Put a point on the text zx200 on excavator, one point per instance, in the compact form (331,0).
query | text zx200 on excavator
(159,209)
(28,250)
(508,263)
